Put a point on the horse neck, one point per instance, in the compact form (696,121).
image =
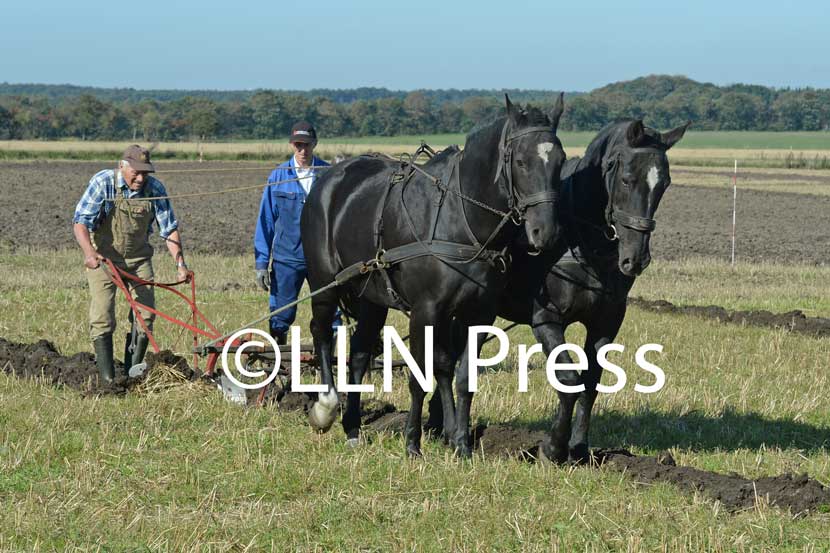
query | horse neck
(589,196)
(479,163)
(478,179)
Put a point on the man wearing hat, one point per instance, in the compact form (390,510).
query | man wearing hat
(277,237)
(112,222)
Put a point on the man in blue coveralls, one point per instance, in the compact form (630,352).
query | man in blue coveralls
(277,237)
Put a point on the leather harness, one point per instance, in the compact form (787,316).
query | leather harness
(449,252)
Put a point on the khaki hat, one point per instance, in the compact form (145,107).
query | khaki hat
(139,158)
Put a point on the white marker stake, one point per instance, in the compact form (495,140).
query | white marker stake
(734,207)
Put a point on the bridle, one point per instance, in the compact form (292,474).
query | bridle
(504,172)
(613,217)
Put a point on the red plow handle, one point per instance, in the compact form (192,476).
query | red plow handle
(118,276)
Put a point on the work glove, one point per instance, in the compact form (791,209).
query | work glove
(262,279)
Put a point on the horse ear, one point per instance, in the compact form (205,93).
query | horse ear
(511,111)
(557,110)
(635,133)
(672,137)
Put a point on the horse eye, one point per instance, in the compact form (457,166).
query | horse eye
(520,163)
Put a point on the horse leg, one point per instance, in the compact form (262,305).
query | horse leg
(599,334)
(461,440)
(370,322)
(419,319)
(323,306)
(551,335)
(441,409)
(435,421)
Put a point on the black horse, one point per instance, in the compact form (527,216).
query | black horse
(608,202)
(436,248)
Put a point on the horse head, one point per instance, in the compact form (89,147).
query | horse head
(636,174)
(531,157)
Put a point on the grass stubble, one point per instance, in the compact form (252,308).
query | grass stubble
(182,470)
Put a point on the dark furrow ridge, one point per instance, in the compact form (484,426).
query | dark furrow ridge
(799,494)
(795,320)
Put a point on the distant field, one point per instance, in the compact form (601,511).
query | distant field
(792,150)
(792,181)
(732,140)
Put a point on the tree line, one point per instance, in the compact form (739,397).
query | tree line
(44,112)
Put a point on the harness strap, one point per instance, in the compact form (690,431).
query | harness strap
(642,224)
(439,248)
(447,251)
(517,134)
(538,198)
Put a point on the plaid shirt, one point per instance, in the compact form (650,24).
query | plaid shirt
(92,208)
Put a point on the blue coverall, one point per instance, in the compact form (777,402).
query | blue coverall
(277,238)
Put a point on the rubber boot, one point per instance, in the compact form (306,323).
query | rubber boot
(141,343)
(128,353)
(103,358)
(280,337)
(283,375)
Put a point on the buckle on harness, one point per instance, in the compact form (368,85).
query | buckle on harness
(375,264)
(501,261)
(517,215)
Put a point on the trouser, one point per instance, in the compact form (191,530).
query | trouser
(287,278)
(103,291)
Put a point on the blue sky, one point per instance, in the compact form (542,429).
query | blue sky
(549,45)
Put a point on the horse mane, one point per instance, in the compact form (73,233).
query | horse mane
(535,117)
(484,132)
(529,116)
(442,156)
(614,133)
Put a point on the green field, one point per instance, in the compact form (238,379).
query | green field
(730,140)
(792,150)
(733,140)
(181,470)
(756,140)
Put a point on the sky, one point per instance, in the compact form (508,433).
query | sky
(549,45)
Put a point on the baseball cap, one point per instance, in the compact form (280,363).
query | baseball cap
(139,158)
(303,132)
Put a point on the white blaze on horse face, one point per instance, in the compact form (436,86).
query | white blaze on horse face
(543,150)
(653,177)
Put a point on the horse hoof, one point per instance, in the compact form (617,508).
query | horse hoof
(320,418)
(463,451)
(579,454)
(551,454)
(322,414)
(414,452)
(353,442)
(434,432)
